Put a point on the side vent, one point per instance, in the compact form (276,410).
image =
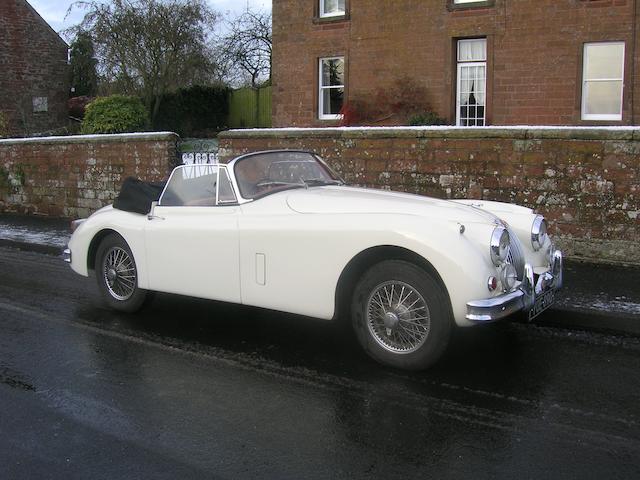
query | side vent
(261,266)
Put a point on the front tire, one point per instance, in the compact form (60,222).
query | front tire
(117,275)
(401,315)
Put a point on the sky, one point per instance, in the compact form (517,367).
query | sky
(54,11)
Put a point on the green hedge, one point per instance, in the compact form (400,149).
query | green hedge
(115,114)
(193,111)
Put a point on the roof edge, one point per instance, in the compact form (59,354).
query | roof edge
(42,20)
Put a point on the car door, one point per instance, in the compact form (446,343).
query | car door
(191,236)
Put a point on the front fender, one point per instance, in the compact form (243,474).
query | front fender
(129,226)
(460,255)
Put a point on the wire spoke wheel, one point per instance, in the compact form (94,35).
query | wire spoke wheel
(119,273)
(398,317)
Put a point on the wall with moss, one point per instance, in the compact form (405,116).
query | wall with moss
(74,176)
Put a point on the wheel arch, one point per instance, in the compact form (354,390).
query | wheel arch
(95,243)
(368,258)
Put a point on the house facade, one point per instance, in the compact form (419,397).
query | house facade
(469,62)
(34,79)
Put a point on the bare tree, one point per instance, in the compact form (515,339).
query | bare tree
(151,47)
(247,47)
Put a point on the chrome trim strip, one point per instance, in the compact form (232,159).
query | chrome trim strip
(66,255)
(528,287)
(556,268)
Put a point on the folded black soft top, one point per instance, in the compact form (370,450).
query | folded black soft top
(136,196)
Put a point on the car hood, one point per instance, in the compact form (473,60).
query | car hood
(350,200)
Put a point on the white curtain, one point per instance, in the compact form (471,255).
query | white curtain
(333,6)
(472,80)
(472,50)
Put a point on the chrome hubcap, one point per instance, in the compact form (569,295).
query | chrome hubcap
(391,320)
(111,275)
(119,273)
(398,317)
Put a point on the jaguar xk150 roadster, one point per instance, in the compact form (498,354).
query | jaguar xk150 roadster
(281,230)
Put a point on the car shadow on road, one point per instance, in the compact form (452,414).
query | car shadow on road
(487,354)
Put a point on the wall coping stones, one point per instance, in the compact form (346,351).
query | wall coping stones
(104,138)
(510,132)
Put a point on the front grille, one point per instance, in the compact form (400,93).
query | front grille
(516,255)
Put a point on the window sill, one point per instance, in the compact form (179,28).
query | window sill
(601,118)
(454,7)
(331,19)
(330,119)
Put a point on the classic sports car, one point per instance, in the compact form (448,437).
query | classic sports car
(281,230)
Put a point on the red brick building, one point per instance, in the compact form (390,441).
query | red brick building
(34,82)
(492,62)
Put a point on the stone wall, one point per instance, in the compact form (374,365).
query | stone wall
(74,176)
(33,65)
(586,181)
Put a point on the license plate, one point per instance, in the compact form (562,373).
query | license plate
(541,304)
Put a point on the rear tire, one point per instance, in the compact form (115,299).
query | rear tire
(117,275)
(401,315)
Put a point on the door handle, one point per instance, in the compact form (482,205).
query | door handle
(154,217)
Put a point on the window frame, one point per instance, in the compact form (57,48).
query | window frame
(453,5)
(601,116)
(40,104)
(322,88)
(471,63)
(322,14)
(218,203)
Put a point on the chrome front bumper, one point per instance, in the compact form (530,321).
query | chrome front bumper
(522,299)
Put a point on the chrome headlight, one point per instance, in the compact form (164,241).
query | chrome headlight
(538,232)
(500,242)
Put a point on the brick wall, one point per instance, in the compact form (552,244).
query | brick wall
(74,176)
(534,64)
(586,181)
(33,63)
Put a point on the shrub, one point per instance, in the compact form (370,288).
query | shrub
(426,118)
(78,105)
(193,109)
(396,104)
(115,114)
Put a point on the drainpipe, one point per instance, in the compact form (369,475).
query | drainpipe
(636,12)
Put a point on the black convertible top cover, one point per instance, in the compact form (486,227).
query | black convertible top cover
(136,196)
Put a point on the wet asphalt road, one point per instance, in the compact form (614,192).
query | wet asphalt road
(195,389)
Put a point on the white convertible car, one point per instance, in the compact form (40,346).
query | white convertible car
(280,230)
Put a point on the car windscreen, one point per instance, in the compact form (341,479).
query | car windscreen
(263,173)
